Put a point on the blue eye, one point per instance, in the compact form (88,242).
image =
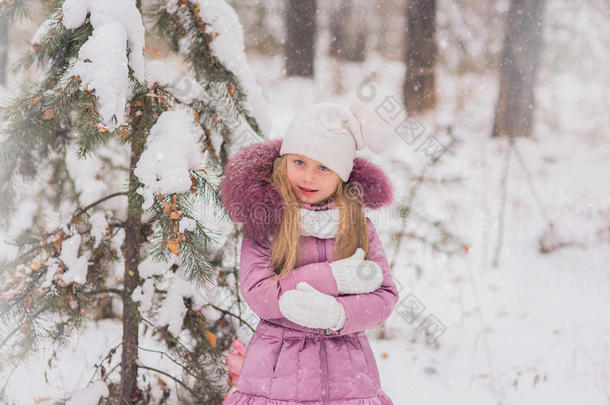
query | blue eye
(298,160)
(324,168)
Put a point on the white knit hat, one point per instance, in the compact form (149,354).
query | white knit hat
(332,133)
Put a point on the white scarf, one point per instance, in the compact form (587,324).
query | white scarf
(321,224)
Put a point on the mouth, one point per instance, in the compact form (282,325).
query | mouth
(307,190)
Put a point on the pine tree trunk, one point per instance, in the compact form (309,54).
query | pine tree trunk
(300,40)
(129,392)
(419,89)
(520,59)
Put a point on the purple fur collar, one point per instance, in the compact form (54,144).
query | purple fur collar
(250,198)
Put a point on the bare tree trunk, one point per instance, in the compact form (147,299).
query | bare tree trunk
(349,30)
(337,29)
(301,34)
(358,49)
(3,50)
(520,59)
(419,89)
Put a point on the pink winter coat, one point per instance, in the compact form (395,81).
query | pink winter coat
(286,363)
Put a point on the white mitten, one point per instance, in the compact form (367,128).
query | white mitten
(312,308)
(355,275)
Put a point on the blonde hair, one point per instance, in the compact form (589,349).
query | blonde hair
(352,232)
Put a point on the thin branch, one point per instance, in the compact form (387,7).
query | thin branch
(116,291)
(418,180)
(169,357)
(232,314)
(169,376)
(3,391)
(171,337)
(502,204)
(530,182)
(76,214)
(21,324)
(441,180)
(97,366)
(479,307)
(101,200)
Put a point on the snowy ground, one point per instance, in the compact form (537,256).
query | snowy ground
(534,329)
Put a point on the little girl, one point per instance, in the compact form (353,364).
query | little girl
(312,266)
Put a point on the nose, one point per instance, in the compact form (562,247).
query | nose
(308,177)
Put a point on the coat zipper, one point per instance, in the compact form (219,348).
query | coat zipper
(325,393)
(278,352)
(321,257)
(277,356)
(321,250)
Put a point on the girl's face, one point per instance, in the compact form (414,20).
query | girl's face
(307,174)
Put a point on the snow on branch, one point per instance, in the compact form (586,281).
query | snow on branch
(102,62)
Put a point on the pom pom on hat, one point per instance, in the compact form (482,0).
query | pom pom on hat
(377,133)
